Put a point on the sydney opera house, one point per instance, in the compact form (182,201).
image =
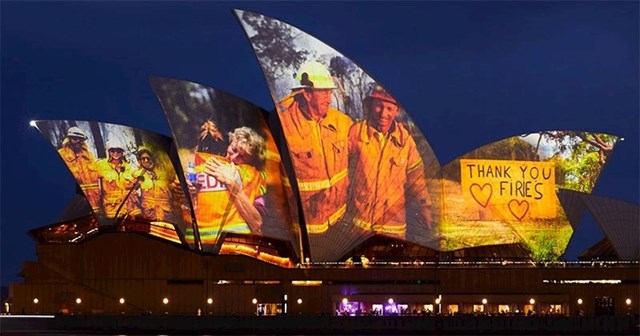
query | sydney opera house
(332,203)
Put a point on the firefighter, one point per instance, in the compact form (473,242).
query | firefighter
(155,188)
(317,139)
(82,164)
(116,181)
(227,187)
(388,170)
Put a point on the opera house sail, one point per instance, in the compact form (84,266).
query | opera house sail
(333,200)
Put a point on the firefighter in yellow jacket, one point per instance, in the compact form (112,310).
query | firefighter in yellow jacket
(388,172)
(82,164)
(226,187)
(155,188)
(116,181)
(317,139)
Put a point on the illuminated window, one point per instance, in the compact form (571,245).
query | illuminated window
(504,309)
(478,308)
(306,282)
(452,309)
(584,282)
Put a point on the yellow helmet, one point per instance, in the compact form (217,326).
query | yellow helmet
(314,75)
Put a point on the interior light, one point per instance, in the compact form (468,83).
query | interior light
(78,301)
(628,301)
(579,301)
(345,301)
(209,301)
(254,301)
(437,300)
(165,301)
(121,300)
(532,301)
(35,300)
(299,301)
(390,301)
(484,301)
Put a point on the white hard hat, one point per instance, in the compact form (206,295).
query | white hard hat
(76,132)
(114,143)
(314,75)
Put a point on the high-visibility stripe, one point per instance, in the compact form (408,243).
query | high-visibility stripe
(415,165)
(334,218)
(88,185)
(212,232)
(322,184)
(391,229)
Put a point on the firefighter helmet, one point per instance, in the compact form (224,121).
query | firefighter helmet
(314,75)
(76,132)
(141,150)
(114,144)
(379,92)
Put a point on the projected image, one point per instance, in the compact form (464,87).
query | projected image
(125,174)
(361,165)
(505,192)
(233,169)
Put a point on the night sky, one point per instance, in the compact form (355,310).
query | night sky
(470,73)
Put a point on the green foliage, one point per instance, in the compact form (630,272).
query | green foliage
(579,157)
(548,244)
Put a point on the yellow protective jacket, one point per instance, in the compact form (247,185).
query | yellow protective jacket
(116,181)
(83,167)
(388,172)
(155,195)
(213,206)
(320,158)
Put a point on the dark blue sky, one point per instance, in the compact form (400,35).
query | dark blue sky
(469,73)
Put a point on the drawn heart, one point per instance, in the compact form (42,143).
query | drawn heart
(518,208)
(483,194)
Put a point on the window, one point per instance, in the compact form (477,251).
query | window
(453,309)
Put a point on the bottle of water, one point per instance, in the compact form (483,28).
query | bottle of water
(192,176)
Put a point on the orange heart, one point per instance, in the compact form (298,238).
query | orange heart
(483,194)
(518,208)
